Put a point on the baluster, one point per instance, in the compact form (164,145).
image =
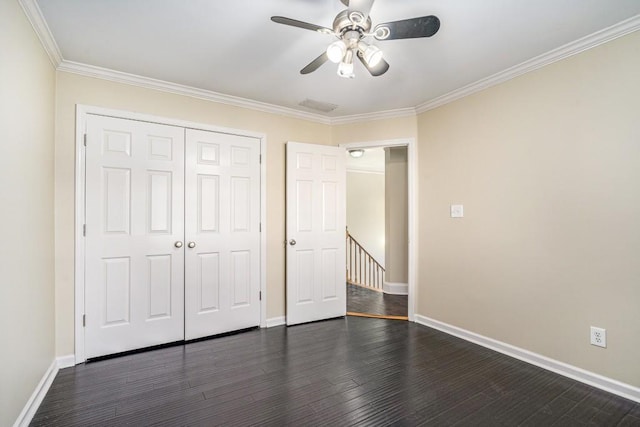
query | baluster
(361,255)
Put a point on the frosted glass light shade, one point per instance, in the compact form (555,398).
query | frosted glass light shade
(346,70)
(372,55)
(336,51)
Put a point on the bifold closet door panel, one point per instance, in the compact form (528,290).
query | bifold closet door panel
(134,265)
(222,233)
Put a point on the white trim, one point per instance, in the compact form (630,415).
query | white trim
(401,142)
(365,171)
(394,288)
(142,117)
(596,380)
(275,321)
(179,89)
(412,184)
(263,231)
(209,95)
(81,117)
(39,24)
(35,17)
(412,211)
(585,43)
(65,361)
(81,127)
(36,398)
(379,115)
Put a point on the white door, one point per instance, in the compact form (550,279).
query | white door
(316,224)
(134,224)
(222,233)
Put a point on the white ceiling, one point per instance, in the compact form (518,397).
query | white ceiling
(232,47)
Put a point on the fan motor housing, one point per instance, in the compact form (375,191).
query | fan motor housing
(343,23)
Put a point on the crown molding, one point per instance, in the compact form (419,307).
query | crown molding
(164,86)
(34,15)
(149,83)
(379,115)
(585,43)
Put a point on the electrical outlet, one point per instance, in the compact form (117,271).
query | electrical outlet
(599,337)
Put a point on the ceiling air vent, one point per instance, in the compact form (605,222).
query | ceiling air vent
(319,106)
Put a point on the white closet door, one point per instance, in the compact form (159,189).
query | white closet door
(222,234)
(316,225)
(134,217)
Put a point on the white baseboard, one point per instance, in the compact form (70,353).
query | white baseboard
(596,380)
(37,396)
(30,409)
(395,288)
(66,361)
(276,321)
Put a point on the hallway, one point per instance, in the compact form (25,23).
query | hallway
(362,301)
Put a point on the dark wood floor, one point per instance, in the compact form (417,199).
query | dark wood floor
(352,371)
(363,300)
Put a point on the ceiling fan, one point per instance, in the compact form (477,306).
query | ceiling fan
(352,26)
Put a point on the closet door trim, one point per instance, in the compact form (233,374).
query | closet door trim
(82,111)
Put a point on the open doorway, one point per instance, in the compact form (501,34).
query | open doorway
(377,245)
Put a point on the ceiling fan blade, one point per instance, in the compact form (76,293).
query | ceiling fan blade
(362,6)
(379,69)
(315,64)
(301,24)
(424,26)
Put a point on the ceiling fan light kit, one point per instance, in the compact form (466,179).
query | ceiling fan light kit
(351,27)
(371,54)
(345,68)
(336,51)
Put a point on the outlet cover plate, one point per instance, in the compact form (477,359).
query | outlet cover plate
(599,337)
(457,211)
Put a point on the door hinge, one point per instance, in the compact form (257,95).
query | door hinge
(85,140)
(260,227)
(260,161)
(260,296)
(84,230)
(84,320)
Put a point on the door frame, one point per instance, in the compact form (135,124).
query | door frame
(412,190)
(82,111)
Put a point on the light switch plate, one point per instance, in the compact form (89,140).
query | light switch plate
(457,211)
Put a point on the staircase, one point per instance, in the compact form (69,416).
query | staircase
(362,268)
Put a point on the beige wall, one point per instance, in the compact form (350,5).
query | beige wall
(397,215)
(548,168)
(365,211)
(27,83)
(378,130)
(73,89)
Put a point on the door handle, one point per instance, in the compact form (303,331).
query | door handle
(178,244)
(292,242)
(191,245)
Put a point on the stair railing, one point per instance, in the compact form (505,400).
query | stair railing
(362,267)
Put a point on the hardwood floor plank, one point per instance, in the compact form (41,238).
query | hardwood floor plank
(549,413)
(459,412)
(367,301)
(350,371)
(629,421)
